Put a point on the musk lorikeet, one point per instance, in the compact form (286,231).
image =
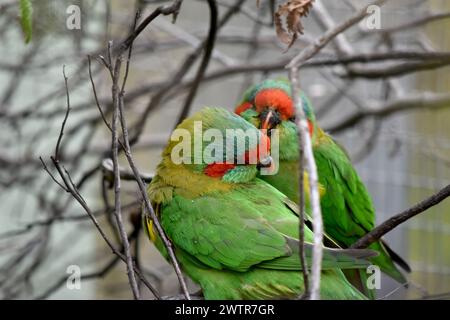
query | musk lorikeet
(234,234)
(347,208)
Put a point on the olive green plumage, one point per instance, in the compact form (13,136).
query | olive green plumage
(234,234)
(347,208)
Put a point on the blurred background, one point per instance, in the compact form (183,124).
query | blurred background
(379,110)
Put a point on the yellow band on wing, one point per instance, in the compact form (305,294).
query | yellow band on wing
(322,189)
(151,230)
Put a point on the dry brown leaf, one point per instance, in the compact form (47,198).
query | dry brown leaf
(294,10)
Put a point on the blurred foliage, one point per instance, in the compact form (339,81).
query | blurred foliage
(26,19)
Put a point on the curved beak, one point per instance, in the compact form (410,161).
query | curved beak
(266,122)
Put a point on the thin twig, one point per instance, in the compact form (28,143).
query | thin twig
(115,148)
(302,126)
(52,176)
(172,9)
(147,204)
(319,62)
(102,114)
(174,83)
(209,47)
(395,70)
(71,188)
(130,51)
(425,101)
(73,217)
(140,183)
(394,221)
(61,133)
(98,274)
(118,102)
(308,159)
(410,24)
(314,48)
(301,194)
(107,167)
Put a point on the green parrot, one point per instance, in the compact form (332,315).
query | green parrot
(347,208)
(234,234)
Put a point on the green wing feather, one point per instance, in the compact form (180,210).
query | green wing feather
(213,242)
(347,207)
(244,228)
(345,196)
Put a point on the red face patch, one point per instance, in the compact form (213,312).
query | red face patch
(311,128)
(262,150)
(276,99)
(242,107)
(218,170)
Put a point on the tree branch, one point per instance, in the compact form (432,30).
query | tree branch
(314,48)
(72,189)
(424,101)
(301,196)
(107,167)
(308,159)
(172,9)
(115,149)
(394,221)
(209,47)
(147,204)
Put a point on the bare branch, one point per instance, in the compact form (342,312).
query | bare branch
(411,102)
(102,114)
(52,176)
(174,82)
(115,148)
(396,220)
(314,48)
(118,98)
(412,24)
(301,194)
(395,70)
(61,133)
(308,159)
(172,9)
(209,47)
(75,193)
(147,204)
(107,167)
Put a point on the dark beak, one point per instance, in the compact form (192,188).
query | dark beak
(265,163)
(270,119)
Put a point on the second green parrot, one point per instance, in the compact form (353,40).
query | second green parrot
(347,208)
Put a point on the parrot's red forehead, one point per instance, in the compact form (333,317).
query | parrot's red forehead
(276,99)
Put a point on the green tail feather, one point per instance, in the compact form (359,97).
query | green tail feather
(384,261)
(358,278)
